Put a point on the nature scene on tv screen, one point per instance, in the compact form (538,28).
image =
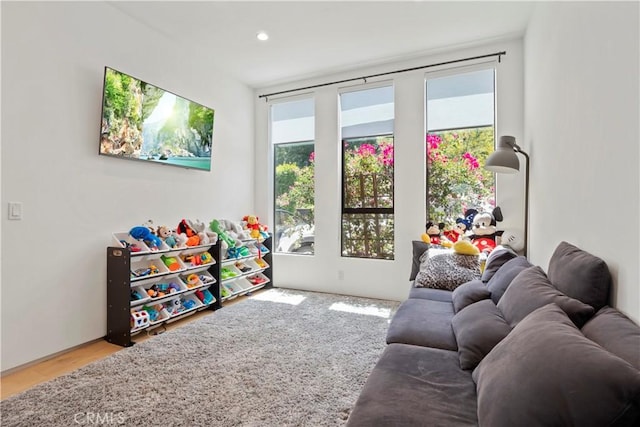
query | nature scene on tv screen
(141,121)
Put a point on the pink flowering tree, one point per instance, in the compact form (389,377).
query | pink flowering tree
(456,179)
(368,183)
(368,173)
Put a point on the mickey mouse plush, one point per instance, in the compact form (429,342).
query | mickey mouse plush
(485,231)
(462,226)
(433,233)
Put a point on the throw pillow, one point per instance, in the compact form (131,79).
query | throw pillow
(447,270)
(495,260)
(547,373)
(419,247)
(616,333)
(505,274)
(580,275)
(468,293)
(478,328)
(531,290)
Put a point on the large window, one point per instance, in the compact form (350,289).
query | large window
(367,173)
(292,135)
(460,136)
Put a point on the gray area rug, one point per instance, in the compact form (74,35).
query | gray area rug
(279,358)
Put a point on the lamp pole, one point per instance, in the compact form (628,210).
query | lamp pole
(505,160)
(526,199)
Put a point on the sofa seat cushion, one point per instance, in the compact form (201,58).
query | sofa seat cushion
(616,333)
(432,294)
(501,280)
(531,290)
(580,275)
(423,322)
(548,373)
(478,328)
(416,386)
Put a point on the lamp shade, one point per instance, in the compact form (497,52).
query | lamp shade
(504,159)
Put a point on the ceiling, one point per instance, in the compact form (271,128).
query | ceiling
(313,38)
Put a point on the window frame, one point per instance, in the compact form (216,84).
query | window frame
(344,210)
(448,72)
(272,149)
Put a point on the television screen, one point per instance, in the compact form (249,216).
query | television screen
(144,122)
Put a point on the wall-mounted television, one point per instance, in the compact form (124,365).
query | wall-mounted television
(143,122)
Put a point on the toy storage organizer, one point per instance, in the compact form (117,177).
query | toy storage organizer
(242,274)
(175,283)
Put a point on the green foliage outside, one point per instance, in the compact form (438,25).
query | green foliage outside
(456,179)
(294,182)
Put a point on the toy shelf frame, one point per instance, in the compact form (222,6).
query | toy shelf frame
(119,285)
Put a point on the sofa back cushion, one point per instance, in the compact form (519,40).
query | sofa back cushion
(531,290)
(500,281)
(468,293)
(478,328)
(546,372)
(616,333)
(418,247)
(496,259)
(580,275)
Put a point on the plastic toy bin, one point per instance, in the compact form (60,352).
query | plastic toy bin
(167,286)
(258,279)
(145,270)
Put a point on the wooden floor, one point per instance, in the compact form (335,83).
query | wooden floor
(33,374)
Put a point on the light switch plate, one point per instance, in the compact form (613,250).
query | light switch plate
(15,210)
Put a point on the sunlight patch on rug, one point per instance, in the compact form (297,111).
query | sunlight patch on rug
(274,295)
(369,310)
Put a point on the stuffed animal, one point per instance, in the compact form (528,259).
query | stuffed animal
(465,247)
(204,239)
(485,231)
(181,239)
(511,239)
(217,227)
(165,234)
(236,231)
(433,233)
(253,225)
(184,227)
(462,227)
(143,233)
(212,236)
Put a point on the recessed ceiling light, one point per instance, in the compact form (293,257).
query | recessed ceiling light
(262,36)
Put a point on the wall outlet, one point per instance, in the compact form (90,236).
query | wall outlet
(340,274)
(15,210)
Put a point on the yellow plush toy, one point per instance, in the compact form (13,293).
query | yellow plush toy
(253,225)
(465,247)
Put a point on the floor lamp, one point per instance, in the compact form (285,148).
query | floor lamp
(505,160)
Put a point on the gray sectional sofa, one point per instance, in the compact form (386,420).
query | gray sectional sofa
(516,347)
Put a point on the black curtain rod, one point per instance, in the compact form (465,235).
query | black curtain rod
(490,55)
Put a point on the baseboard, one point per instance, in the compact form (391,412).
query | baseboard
(45,358)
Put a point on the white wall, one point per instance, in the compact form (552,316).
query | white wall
(582,109)
(54,260)
(327,271)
